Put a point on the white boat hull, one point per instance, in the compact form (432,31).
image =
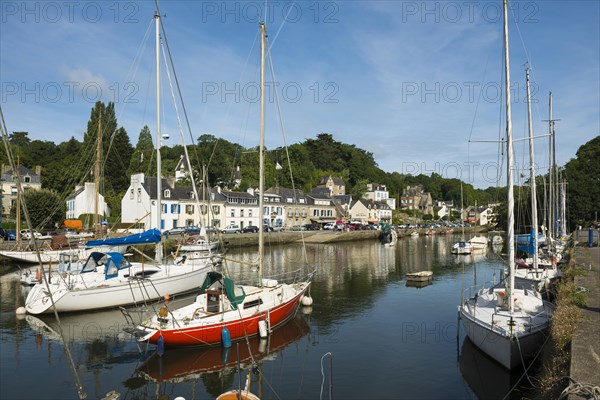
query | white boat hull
(488,326)
(175,279)
(52,256)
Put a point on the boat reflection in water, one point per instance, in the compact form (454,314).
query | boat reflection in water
(487,378)
(217,366)
(89,327)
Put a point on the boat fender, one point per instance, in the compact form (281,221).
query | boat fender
(225,337)
(21,311)
(38,275)
(307,301)
(161,346)
(262,328)
(225,355)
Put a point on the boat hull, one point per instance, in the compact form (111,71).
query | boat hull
(121,293)
(53,256)
(210,335)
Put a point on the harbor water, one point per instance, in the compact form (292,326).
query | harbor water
(369,334)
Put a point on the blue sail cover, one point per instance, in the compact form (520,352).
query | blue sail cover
(527,246)
(150,236)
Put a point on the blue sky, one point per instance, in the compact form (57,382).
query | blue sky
(410,81)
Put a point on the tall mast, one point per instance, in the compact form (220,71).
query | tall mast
(550,175)
(158,166)
(18,211)
(509,153)
(261,183)
(97,174)
(534,218)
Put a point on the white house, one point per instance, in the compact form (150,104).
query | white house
(83,201)
(239,208)
(30,180)
(377,192)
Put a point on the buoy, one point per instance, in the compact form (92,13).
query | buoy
(21,311)
(167,298)
(307,301)
(225,337)
(262,328)
(161,346)
(262,345)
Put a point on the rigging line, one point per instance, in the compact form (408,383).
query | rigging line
(185,150)
(4,133)
(292,6)
(304,253)
(244,123)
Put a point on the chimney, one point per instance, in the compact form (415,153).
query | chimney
(38,170)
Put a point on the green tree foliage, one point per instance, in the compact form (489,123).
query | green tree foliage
(143,158)
(582,174)
(359,189)
(45,208)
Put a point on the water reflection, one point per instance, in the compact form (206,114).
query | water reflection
(216,367)
(378,329)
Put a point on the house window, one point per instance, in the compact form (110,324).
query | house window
(189,209)
(167,193)
(192,195)
(174,209)
(250,213)
(26,179)
(233,212)
(139,191)
(203,209)
(174,223)
(315,213)
(242,212)
(216,210)
(131,194)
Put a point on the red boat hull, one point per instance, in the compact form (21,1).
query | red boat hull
(211,334)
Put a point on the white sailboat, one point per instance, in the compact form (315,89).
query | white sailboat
(462,247)
(224,311)
(534,272)
(506,322)
(107,279)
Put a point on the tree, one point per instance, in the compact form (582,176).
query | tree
(142,158)
(359,189)
(46,209)
(582,174)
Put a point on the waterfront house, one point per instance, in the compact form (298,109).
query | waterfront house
(378,192)
(335,184)
(295,204)
(30,180)
(83,201)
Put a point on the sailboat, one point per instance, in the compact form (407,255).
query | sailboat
(534,272)
(107,279)
(224,311)
(462,247)
(506,322)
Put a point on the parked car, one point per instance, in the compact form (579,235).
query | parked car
(9,234)
(312,227)
(298,228)
(191,230)
(176,231)
(250,229)
(329,226)
(267,228)
(28,234)
(232,228)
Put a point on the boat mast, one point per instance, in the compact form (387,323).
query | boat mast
(97,174)
(158,166)
(18,211)
(550,175)
(261,183)
(509,153)
(534,218)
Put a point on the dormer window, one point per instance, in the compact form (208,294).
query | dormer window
(167,194)
(192,195)
(26,179)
